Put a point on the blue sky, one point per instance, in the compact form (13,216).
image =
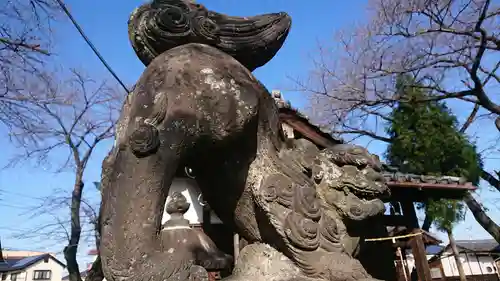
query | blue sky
(105,22)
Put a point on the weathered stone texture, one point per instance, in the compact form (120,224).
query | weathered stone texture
(198,106)
(161,25)
(190,103)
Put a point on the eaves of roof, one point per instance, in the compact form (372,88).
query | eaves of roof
(24,262)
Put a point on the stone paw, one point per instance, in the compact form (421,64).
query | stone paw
(198,273)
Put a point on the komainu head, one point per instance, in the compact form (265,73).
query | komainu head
(357,188)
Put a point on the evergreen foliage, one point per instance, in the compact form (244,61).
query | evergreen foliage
(426,141)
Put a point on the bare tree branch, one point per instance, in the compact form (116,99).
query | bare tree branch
(13,45)
(451,47)
(47,115)
(25,43)
(470,119)
(56,227)
(72,115)
(481,217)
(493,181)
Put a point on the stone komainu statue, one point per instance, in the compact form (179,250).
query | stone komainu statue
(198,105)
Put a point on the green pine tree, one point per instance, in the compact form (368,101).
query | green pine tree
(423,129)
(426,141)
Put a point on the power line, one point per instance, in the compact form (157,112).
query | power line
(96,52)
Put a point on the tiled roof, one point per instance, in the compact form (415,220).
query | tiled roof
(400,177)
(18,263)
(433,249)
(482,245)
(92,252)
(428,238)
(287,106)
(430,250)
(22,253)
(475,246)
(392,174)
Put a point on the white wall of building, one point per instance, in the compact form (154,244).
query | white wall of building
(190,190)
(411,260)
(27,274)
(472,264)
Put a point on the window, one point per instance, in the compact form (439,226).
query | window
(14,276)
(41,275)
(4,276)
(436,272)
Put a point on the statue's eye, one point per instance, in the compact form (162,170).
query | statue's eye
(189,172)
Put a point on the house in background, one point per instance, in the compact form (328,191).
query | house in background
(409,261)
(8,253)
(478,258)
(29,266)
(404,259)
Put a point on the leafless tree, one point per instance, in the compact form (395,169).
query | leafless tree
(479,213)
(452,47)
(25,38)
(46,116)
(25,29)
(52,224)
(73,116)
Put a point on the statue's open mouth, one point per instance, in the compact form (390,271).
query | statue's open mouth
(368,195)
(355,204)
(366,190)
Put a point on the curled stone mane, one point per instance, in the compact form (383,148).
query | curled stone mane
(300,208)
(164,24)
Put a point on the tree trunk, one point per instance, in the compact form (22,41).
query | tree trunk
(491,179)
(396,208)
(454,249)
(71,249)
(427,223)
(456,254)
(97,231)
(481,217)
(95,273)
